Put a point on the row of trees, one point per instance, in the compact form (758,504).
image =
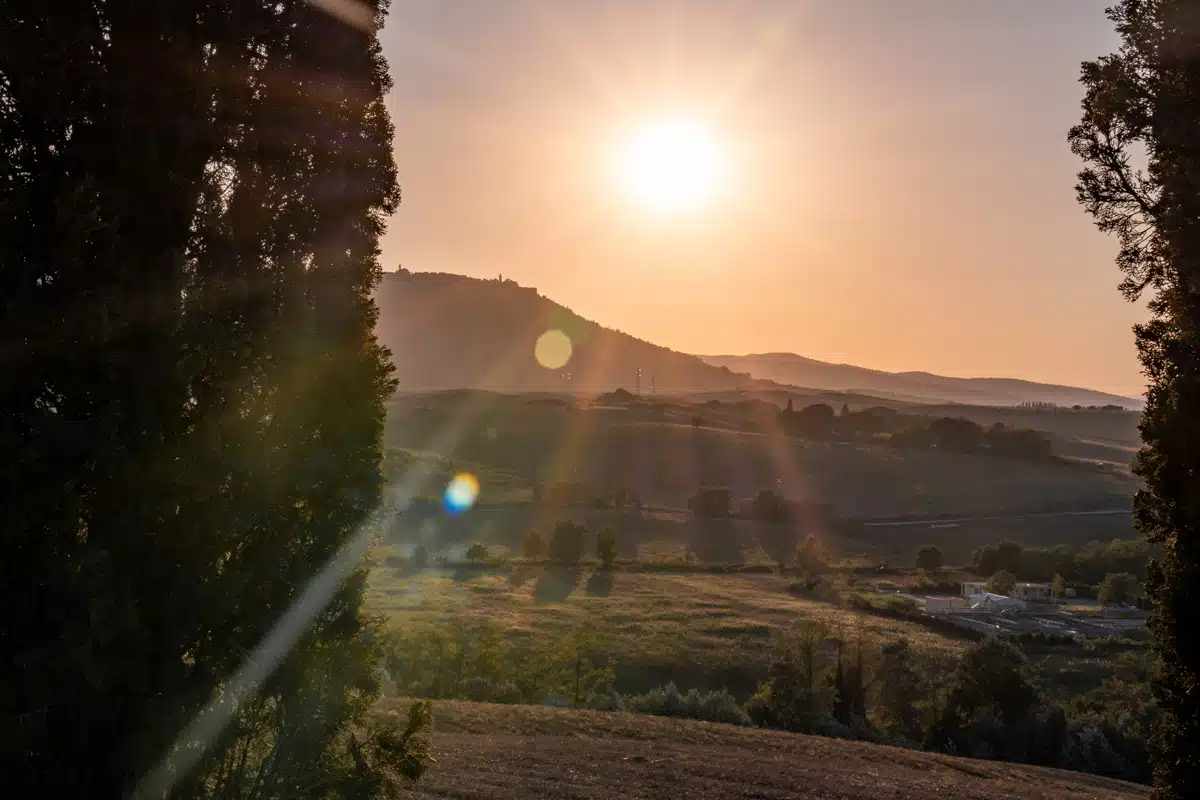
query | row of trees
(986,703)
(958,435)
(1088,564)
(191,398)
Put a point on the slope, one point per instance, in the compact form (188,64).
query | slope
(486,751)
(789,368)
(451,331)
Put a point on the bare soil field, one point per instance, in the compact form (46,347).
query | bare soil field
(486,751)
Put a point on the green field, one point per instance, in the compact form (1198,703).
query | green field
(658,452)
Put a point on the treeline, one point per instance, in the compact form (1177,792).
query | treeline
(986,703)
(1086,565)
(958,435)
(768,505)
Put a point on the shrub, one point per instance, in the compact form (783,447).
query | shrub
(419,559)
(667,701)
(477,552)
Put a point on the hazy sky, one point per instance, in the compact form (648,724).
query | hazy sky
(900,191)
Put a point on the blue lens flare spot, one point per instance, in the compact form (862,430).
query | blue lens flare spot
(461,493)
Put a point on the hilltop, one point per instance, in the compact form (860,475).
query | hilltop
(454,332)
(450,331)
(922,387)
(484,750)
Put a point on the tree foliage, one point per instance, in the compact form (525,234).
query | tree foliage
(1117,587)
(568,541)
(191,396)
(1137,135)
(606,547)
(929,557)
(1002,583)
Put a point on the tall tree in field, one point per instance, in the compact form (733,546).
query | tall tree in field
(1140,137)
(191,396)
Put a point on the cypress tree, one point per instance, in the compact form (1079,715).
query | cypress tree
(191,396)
(1140,137)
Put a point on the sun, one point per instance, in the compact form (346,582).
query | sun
(671,166)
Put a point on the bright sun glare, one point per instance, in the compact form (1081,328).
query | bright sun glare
(671,167)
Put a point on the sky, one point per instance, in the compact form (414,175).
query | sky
(897,194)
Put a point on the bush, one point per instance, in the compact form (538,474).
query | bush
(666,701)
(419,559)
(477,552)
(567,542)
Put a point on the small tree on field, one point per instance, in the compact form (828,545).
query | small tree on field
(929,558)
(533,546)
(1058,586)
(477,552)
(567,541)
(1002,583)
(606,547)
(811,556)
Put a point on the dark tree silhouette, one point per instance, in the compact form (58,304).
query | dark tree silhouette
(191,396)
(1142,105)
(929,557)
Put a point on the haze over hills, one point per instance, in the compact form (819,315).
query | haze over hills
(921,387)
(450,331)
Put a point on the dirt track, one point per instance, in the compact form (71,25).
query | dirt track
(486,751)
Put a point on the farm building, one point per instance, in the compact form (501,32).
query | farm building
(973,590)
(1033,592)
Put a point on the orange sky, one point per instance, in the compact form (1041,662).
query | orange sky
(902,193)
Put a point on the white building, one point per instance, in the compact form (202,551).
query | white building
(973,590)
(1034,592)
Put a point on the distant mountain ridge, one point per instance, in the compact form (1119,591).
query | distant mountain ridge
(923,387)
(450,331)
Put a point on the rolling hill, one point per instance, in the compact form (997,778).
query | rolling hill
(485,751)
(922,387)
(455,332)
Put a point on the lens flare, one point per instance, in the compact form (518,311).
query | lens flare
(553,349)
(461,493)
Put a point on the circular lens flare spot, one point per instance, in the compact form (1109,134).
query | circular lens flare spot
(461,493)
(553,349)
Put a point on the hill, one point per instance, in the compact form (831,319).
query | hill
(451,332)
(533,751)
(788,368)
